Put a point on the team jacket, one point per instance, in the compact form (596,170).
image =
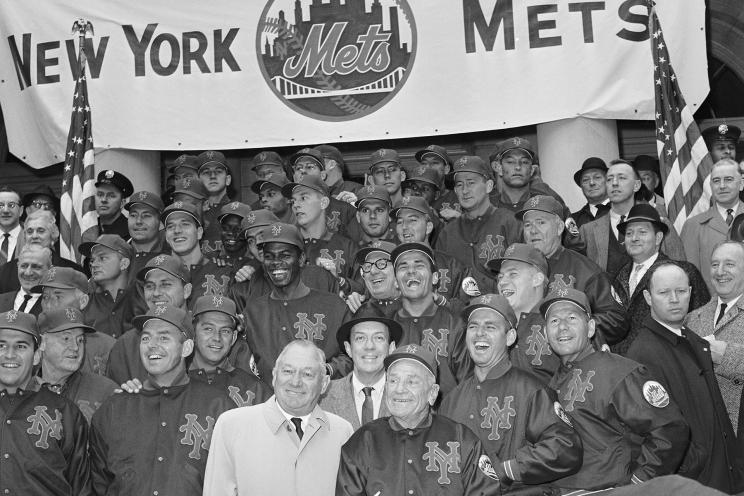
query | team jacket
(439,457)
(451,273)
(571,269)
(520,422)
(333,246)
(631,430)
(87,391)
(212,237)
(108,314)
(43,445)
(437,330)
(124,360)
(243,388)
(271,324)
(476,241)
(532,351)
(155,441)
(209,279)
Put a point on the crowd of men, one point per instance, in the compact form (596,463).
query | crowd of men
(446,329)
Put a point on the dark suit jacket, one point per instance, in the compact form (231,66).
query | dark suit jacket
(584,214)
(7,300)
(636,304)
(339,399)
(9,271)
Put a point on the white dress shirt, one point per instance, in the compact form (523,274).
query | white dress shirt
(19,300)
(729,305)
(357,387)
(644,266)
(595,208)
(722,210)
(614,221)
(12,241)
(305,418)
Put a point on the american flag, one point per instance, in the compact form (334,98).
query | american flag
(683,157)
(78,180)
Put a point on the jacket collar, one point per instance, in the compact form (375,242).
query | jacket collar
(276,419)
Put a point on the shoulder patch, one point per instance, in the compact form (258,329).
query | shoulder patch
(561,413)
(655,394)
(485,466)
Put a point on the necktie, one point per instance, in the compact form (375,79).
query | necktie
(721,312)
(634,278)
(298,426)
(23,306)
(621,236)
(4,248)
(729,216)
(367,412)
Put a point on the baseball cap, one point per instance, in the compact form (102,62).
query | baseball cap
(234,208)
(408,247)
(312,182)
(471,163)
(117,179)
(413,352)
(167,313)
(592,163)
(145,198)
(62,319)
(277,180)
(185,160)
(166,263)
(437,150)
(572,295)
(280,232)
(543,203)
(20,321)
(416,203)
(521,252)
(376,246)
(384,155)
(372,192)
(211,157)
(258,218)
(312,153)
(216,303)
(344,331)
(643,212)
(267,158)
(185,207)
(62,278)
(424,174)
(516,143)
(495,302)
(191,187)
(110,241)
(332,153)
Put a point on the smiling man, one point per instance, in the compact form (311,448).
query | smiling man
(287,445)
(172,416)
(147,240)
(10,227)
(381,296)
(414,451)
(533,438)
(33,263)
(234,244)
(632,431)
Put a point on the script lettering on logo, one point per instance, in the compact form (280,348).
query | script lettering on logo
(538,345)
(196,435)
(491,249)
(212,287)
(577,388)
(307,329)
(495,417)
(234,393)
(444,463)
(44,426)
(436,345)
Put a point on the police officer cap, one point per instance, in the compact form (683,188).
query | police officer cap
(184,207)
(62,319)
(722,132)
(543,203)
(424,174)
(234,208)
(166,263)
(572,295)
(277,180)
(267,158)
(513,144)
(186,161)
(374,246)
(116,179)
(404,248)
(646,163)
(20,321)
(435,150)
(145,198)
(383,155)
(343,334)
(643,212)
(216,303)
(332,153)
(311,153)
(178,317)
(110,241)
(413,352)
(62,278)
(372,192)
(192,187)
(495,302)
(416,203)
(521,252)
(210,158)
(315,183)
(280,232)
(592,163)
(471,163)
(256,219)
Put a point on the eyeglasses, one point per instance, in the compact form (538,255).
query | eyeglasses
(9,205)
(380,264)
(40,204)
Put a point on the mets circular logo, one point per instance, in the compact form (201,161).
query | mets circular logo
(336,60)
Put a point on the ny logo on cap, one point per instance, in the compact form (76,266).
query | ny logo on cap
(70,312)
(109,174)
(376,243)
(517,141)
(251,219)
(369,189)
(51,274)
(534,201)
(486,299)
(722,129)
(178,204)
(276,229)
(461,162)
(262,156)
(11,316)
(411,348)
(406,200)
(180,160)
(379,153)
(562,293)
(421,170)
(186,182)
(431,148)
(210,155)
(509,251)
(217,301)
(143,195)
(159,260)
(159,310)
(234,205)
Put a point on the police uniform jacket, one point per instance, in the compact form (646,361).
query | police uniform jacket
(155,441)
(532,352)
(630,429)
(682,364)
(242,387)
(520,422)
(571,269)
(272,323)
(439,457)
(43,441)
(476,241)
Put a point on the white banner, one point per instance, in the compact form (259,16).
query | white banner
(222,74)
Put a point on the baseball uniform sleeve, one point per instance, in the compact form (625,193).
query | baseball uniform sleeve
(101,475)
(479,477)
